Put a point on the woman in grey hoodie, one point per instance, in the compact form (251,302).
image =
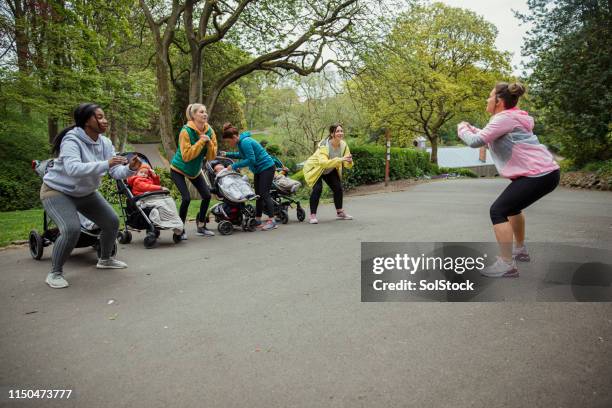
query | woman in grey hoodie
(83,156)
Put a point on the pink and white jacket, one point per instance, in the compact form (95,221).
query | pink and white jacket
(515,150)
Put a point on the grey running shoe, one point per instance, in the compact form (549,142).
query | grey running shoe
(205,232)
(520,254)
(56,281)
(110,263)
(343,216)
(269,225)
(501,269)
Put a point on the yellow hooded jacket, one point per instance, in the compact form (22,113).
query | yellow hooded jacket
(320,161)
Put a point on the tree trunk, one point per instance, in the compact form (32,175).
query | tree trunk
(195,76)
(165,103)
(23,54)
(123,137)
(52,127)
(113,123)
(434,148)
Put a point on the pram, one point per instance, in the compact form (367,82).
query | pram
(135,217)
(89,236)
(231,211)
(283,200)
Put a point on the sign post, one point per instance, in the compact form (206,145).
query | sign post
(388,157)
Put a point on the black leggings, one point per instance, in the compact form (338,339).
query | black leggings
(333,181)
(263,184)
(202,188)
(520,194)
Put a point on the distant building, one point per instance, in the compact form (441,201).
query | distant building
(477,160)
(420,143)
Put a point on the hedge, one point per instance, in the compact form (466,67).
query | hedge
(369,165)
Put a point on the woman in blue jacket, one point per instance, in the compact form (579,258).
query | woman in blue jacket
(255,157)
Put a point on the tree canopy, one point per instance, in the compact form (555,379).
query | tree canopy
(437,64)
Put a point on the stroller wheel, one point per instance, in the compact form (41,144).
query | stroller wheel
(149,240)
(301,214)
(157,233)
(225,228)
(124,237)
(251,224)
(283,216)
(36,245)
(176,238)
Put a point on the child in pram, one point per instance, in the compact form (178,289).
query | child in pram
(163,208)
(233,184)
(234,192)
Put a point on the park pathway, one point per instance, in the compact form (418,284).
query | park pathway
(274,319)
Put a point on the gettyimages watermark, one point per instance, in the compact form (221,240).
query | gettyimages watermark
(451,272)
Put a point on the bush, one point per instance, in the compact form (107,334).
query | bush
(369,165)
(20,143)
(461,171)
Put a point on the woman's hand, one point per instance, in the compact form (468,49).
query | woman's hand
(222,153)
(348,159)
(116,161)
(135,163)
(205,138)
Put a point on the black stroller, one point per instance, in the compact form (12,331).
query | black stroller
(89,236)
(135,217)
(283,200)
(230,211)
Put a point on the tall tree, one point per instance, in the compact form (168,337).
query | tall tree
(572,74)
(438,63)
(301,36)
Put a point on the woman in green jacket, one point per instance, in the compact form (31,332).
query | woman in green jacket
(196,142)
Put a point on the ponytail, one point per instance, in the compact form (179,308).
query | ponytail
(81,115)
(57,140)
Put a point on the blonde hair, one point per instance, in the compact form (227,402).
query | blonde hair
(192,108)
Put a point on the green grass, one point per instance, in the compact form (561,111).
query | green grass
(16,225)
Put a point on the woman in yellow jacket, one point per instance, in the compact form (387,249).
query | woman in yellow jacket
(196,142)
(326,164)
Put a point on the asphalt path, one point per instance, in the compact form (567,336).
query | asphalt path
(274,319)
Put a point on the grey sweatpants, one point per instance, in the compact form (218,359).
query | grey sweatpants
(63,211)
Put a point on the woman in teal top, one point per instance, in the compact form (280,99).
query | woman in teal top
(257,159)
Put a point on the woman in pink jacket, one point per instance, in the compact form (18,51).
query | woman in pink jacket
(519,156)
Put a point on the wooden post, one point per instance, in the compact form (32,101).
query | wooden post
(388,157)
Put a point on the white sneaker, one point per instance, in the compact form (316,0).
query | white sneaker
(313,219)
(501,269)
(110,263)
(56,281)
(343,216)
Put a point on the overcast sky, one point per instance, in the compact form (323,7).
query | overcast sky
(499,12)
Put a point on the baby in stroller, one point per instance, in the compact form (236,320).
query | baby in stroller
(233,184)
(163,212)
(283,189)
(234,192)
